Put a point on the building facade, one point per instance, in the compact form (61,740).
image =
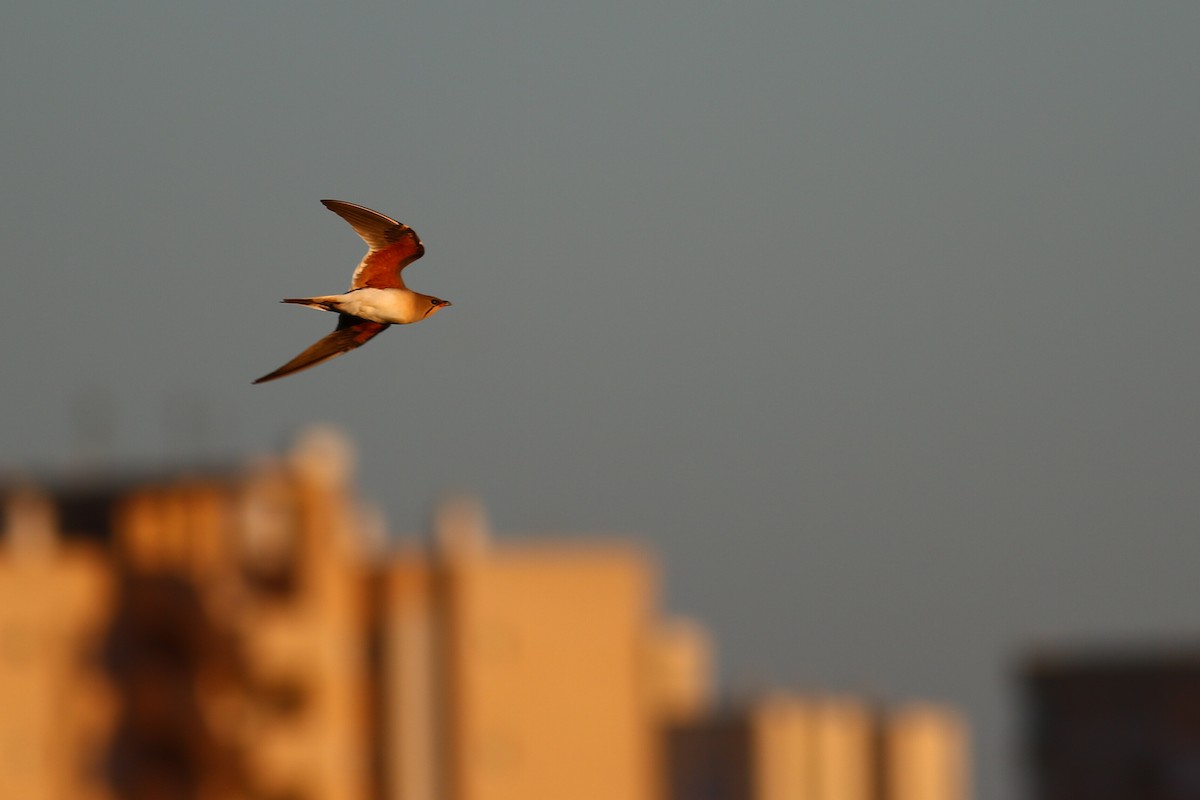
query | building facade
(249,634)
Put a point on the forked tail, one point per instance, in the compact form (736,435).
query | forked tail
(324,303)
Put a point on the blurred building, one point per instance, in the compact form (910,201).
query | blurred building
(56,707)
(248,634)
(789,747)
(1115,725)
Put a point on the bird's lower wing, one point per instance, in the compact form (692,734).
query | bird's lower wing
(350,333)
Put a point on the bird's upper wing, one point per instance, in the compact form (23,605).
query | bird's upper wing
(392,246)
(351,332)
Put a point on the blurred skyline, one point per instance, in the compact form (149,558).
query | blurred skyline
(243,633)
(878,321)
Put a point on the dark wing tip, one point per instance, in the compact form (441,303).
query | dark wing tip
(351,332)
(377,230)
(341,207)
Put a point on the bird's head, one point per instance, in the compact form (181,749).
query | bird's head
(436,305)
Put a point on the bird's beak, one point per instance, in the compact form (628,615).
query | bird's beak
(447,303)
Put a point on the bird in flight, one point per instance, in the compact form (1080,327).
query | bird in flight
(377,298)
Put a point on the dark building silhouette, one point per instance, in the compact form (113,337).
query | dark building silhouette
(1117,725)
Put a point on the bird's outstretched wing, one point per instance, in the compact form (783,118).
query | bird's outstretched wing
(351,332)
(392,246)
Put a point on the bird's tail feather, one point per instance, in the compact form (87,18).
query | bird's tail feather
(325,303)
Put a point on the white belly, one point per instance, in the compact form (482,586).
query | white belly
(393,306)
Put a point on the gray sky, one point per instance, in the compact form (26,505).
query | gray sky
(877,320)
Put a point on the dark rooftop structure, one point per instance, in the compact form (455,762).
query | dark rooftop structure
(1114,724)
